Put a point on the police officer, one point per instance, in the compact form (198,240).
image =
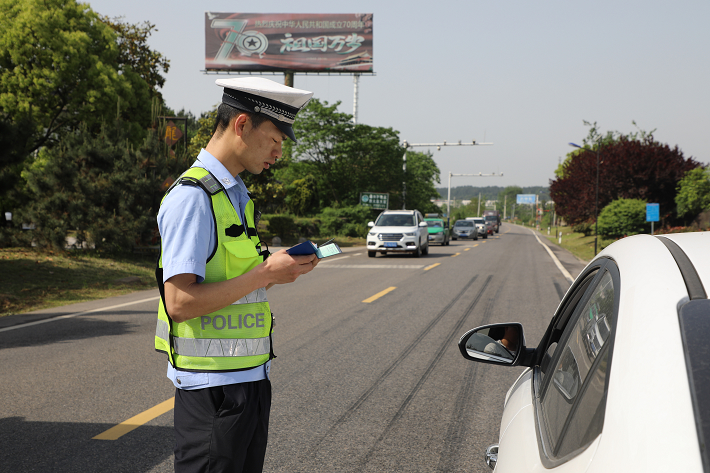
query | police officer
(214,319)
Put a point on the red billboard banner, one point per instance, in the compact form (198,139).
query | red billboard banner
(300,42)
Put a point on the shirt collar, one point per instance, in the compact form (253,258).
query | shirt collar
(213,165)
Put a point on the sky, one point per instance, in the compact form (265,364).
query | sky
(522,75)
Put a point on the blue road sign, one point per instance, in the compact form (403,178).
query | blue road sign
(525,199)
(652,213)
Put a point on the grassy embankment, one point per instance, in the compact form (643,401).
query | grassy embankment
(576,243)
(32,279)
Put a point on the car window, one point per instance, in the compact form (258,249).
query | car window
(588,418)
(561,321)
(463,224)
(578,355)
(393,220)
(434,224)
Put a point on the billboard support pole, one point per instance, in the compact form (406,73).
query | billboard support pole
(356,81)
(288,78)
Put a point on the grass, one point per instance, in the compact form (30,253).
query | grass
(576,243)
(32,279)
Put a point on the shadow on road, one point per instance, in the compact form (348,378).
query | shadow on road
(60,331)
(68,447)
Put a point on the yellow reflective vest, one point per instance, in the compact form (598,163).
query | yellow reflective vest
(238,336)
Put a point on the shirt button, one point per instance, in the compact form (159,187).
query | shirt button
(178,381)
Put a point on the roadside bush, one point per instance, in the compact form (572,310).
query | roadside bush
(283,226)
(345,221)
(586,228)
(623,217)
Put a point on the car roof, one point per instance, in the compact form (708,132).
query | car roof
(696,246)
(648,366)
(399,211)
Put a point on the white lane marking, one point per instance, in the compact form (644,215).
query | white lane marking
(331,260)
(373,266)
(68,316)
(564,272)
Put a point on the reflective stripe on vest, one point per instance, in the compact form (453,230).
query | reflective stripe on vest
(237,336)
(215,346)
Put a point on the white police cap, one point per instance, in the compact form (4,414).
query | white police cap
(257,95)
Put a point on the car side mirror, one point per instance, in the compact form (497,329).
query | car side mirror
(370,224)
(500,344)
(423,224)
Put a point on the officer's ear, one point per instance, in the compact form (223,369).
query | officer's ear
(240,123)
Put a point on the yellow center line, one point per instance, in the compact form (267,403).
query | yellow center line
(379,294)
(456,254)
(432,266)
(466,249)
(475,245)
(134,422)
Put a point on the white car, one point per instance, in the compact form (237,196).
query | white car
(398,231)
(621,379)
(480,223)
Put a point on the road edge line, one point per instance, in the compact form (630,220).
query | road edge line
(68,316)
(562,269)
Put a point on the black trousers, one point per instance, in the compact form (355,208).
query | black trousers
(222,429)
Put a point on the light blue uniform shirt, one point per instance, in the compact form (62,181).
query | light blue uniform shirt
(188,238)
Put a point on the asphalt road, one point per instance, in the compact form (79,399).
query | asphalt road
(358,386)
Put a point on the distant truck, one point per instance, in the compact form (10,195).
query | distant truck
(493,216)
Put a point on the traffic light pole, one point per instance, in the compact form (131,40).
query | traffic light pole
(408,145)
(448,200)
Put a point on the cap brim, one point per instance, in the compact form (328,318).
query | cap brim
(285,128)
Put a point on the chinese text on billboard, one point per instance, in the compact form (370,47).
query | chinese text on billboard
(288,42)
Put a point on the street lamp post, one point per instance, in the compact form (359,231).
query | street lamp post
(596,195)
(408,145)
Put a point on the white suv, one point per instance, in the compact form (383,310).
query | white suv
(398,231)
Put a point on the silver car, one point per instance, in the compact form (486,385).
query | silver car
(464,230)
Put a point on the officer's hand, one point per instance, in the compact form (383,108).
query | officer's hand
(284,268)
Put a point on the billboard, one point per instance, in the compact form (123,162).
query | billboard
(300,42)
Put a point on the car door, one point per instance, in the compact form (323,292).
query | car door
(558,428)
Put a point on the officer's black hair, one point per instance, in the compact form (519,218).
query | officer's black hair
(226,113)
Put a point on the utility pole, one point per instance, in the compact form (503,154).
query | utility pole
(408,145)
(478,213)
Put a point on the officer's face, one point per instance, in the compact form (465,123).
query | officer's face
(263,146)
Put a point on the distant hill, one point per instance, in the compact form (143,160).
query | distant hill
(489,193)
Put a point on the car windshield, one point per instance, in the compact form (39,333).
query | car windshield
(434,224)
(394,220)
(479,220)
(491,218)
(464,224)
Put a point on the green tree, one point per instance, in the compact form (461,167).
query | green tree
(623,217)
(58,68)
(134,52)
(693,194)
(98,185)
(347,159)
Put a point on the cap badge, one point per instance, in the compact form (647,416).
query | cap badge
(256,109)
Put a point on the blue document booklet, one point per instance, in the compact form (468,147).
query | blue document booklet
(309,248)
